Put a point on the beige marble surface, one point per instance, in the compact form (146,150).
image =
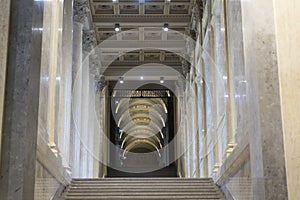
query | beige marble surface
(4,25)
(288,46)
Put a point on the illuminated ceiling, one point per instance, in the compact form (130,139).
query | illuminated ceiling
(141,122)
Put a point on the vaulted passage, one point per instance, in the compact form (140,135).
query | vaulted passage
(141,129)
(149,99)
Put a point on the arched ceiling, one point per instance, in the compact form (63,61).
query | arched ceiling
(141,121)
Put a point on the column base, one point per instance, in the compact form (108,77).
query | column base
(54,149)
(216,169)
(230,148)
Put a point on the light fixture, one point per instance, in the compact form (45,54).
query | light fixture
(114,0)
(162,80)
(121,80)
(166,27)
(117,27)
(142,78)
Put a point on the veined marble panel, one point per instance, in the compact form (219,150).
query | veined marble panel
(288,48)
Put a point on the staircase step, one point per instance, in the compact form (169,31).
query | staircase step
(142,188)
(144,198)
(140,179)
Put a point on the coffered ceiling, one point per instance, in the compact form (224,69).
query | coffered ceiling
(141,21)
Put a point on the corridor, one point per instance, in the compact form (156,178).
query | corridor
(149,99)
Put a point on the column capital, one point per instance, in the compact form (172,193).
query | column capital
(99,83)
(89,41)
(81,11)
(186,67)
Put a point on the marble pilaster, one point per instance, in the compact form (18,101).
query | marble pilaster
(21,100)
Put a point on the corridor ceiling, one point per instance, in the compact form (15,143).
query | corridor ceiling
(138,20)
(142,22)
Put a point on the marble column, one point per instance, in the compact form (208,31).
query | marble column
(265,120)
(236,72)
(76,100)
(84,132)
(91,131)
(201,129)
(21,100)
(64,121)
(4,26)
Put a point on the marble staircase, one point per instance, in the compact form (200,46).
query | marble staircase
(142,188)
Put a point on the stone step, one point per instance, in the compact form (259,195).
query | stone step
(142,188)
(142,182)
(185,191)
(143,193)
(141,179)
(137,184)
(154,187)
(144,198)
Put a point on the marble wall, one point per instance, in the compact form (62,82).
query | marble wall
(241,110)
(288,49)
(4,24)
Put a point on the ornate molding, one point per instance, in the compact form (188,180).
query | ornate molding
(186,67)
(99,83)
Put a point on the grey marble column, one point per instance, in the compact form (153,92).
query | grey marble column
(265,121)
(21,101)
(4,25)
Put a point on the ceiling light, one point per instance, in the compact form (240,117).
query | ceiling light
(114,0)
(166,27)
(121,80)
(162,80)
(117,27)
(142,78)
